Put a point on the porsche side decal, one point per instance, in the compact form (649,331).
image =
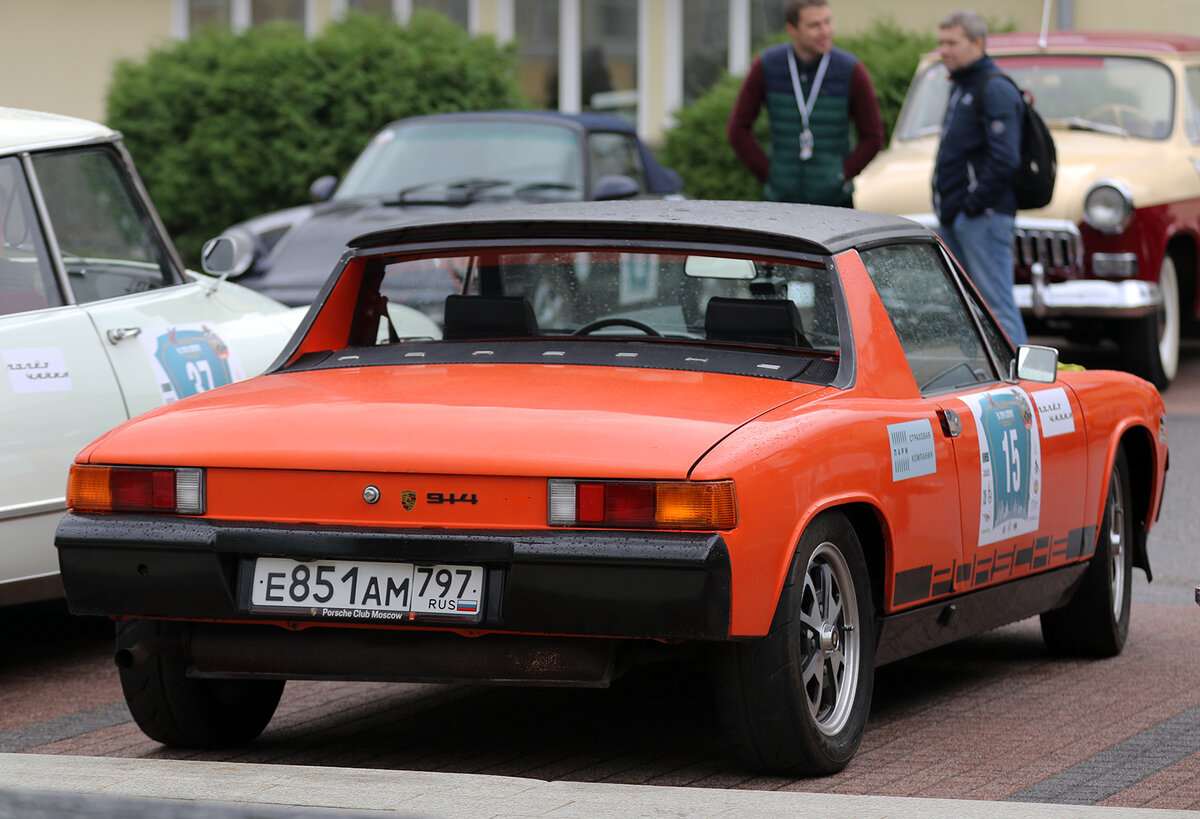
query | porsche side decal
(1011,562)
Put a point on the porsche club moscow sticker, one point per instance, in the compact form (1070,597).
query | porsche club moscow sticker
(913,453)
(188,359)
(1010,463)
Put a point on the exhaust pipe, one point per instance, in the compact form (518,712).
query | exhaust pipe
(127,657)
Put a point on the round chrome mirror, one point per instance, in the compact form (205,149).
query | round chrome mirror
(228,255)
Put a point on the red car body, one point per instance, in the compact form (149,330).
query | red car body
(734,412)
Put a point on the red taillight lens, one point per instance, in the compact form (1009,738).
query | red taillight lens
(135,489)
(643,504)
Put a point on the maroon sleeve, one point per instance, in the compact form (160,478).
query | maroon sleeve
(868,122)
(740,128)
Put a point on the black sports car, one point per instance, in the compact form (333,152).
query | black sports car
(440,162)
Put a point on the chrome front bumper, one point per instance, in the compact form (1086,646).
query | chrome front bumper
(1045,246)
(1131,298)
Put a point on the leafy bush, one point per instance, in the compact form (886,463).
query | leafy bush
(224,127)
(697,147)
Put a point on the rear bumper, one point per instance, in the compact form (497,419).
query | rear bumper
(665,586)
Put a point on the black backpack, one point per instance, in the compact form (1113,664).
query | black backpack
(1033,181)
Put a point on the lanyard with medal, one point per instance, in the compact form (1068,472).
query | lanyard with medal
(806,107)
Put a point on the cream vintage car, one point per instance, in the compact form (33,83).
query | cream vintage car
(1112,260)
(99,321)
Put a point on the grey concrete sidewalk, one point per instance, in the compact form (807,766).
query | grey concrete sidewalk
(50,787)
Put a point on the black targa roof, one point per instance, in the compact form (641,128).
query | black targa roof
(805,228)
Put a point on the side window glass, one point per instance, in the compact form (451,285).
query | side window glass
(935,325)
(612,153)
(107,239)
(26,275)
(1191,116)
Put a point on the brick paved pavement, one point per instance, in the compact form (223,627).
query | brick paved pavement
(991,718)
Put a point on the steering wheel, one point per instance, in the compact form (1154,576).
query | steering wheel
(616,322)
(1122,115)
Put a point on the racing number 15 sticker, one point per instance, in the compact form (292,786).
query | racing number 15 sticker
(1010,462)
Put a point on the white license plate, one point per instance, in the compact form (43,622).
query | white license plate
(344,588)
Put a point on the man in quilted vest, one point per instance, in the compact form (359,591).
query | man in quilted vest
(813,92)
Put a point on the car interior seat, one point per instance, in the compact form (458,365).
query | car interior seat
(470,317)
(755,321)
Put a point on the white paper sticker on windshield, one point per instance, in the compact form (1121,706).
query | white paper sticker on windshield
(1054,412)
(37,369)
(1010,463)
(189,359)
(913,453)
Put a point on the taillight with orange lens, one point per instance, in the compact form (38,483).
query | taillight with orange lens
(642,504)
(136,489)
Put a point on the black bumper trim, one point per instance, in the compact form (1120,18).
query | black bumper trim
(662,585)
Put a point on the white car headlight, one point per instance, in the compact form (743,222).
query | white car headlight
(1108,207)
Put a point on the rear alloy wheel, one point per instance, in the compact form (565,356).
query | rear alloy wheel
(1096,621)
(795,702)
(183,711)
(1152,342)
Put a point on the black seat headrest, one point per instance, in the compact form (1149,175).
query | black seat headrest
(488,317)
(755,321)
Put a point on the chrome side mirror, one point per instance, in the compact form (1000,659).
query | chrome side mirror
(1038,364)
(322,188)
(615,186)
(228,255)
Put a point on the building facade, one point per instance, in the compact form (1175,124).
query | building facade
(640,58)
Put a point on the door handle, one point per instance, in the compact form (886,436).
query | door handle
(118,334)
(951,423)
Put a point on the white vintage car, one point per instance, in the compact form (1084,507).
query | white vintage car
(1113,260)
(99,321)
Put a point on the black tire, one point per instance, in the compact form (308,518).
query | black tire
(1096,621)
(795,702)
(189,712)
(1152,343)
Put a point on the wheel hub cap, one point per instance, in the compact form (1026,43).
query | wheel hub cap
(830,638)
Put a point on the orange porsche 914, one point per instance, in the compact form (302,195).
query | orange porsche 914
(793,437)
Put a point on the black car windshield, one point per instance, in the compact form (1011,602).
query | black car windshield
(1127,96)
(607,293)
(443,159)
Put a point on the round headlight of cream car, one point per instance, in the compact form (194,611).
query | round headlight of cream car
(1108,207)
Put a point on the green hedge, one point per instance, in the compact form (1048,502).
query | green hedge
(698,148)
(224,127)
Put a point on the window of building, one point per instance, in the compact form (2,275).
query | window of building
(238,15)
(210,14)
(268,11)
(705,45)
(608,56)
(456,10)
(379,8)
(536,30)
(766,20)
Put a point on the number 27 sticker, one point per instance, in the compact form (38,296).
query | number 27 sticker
(188,359)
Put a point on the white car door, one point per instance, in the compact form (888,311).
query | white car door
(98,323)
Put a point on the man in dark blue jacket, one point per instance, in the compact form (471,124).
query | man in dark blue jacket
(978,155)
